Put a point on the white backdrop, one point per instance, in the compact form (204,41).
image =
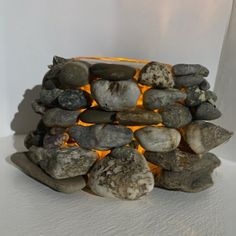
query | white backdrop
(31,32)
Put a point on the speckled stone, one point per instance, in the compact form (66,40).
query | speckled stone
(175,116)
(188,80)
(38,107)
(158,139)
(205,85)
(157,98)
(203,136)
(53,141)
(115,95)
(62,163)
(157,75)
(49,97)
(123,174)
(189,69)
(101,136)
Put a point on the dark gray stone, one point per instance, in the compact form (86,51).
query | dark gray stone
(175,116)
(60,118)
(74,99)
(57,130)
(49,97)
(205,85)
(53,141)
(157,75)
(101,137)
(189,69)
(123,174)
(112,71)
(38,107)
(59,60)
(33,139)
(115,95)
(188,80)
(70,185)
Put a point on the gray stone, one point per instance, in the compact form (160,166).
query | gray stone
(157,75)
(206,111)
(158,139)
(62,163)
(189,69)
(112,71)
(188,80)
(33,139)
(138,117)
(70,185)
(49,97)
(205,85)
(98,116)
(101,137)
(123,174)
(203,136)
(74,99)
(157,98)
(57,130)
(38,107)
(115,95)
(60,118)
(59,60)
(175,116)
(53,141)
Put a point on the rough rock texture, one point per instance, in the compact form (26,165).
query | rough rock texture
(204,85)
(38,107)
(53,141)
(157,139)
(157,98)
(188,80)
(49,97)
(189,69)
(115,95)
(70,185)
(33,139)
(62,163)
(112,71)
(57,130)
(175,116)
(157,75)
(59,117)
(123,174)
(203,136)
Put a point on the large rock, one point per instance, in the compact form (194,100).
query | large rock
(112,71)
(53,141)
(157,75)
(189,69)
(49,97)
(157,139)
(123,174)
(188,80)
(101,136)
(115,95)
(203,136)
(62,163)
(157,98)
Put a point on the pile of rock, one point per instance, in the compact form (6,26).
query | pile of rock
(87,109)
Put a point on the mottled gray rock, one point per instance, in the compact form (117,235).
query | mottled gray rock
(194,179)
(98,116)
(206,111)
(59,60)
(157,75)
(115,95)
(157,98)
(33,139)
(189,69)
(49,97)
(101,137)
(138,117)
(123,174)
(53,141)
(112,71)
(62,163)
(70,185)
(205,85)
(203,136)
(175,116)
(57,130)
(158,139)
(74,74)
(74,99)
(59,117)
(188,80)
(38,107)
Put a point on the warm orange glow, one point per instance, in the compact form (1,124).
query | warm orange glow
(102,154)
(156,170)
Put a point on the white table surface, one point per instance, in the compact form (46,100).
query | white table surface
(28,208)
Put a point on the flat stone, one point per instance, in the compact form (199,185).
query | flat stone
(158,139)
(189,69)
(122,174)
(49,97)
(74,75)
(59,117)
(97,116)
(112,71)
(188,80)
(101,136)
(157,98)
(38,107)
(70,185)
(203,136)
(175,116)
(74,99)
(204,85)
(53,141)
(206,111)
(62,163)
(157,75)
(115,95)
(138,117)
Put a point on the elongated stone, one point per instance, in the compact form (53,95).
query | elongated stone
(123,174)
(100,136)
(203,136)
(49,97)
(188,80)
(189,69)
(157,139)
